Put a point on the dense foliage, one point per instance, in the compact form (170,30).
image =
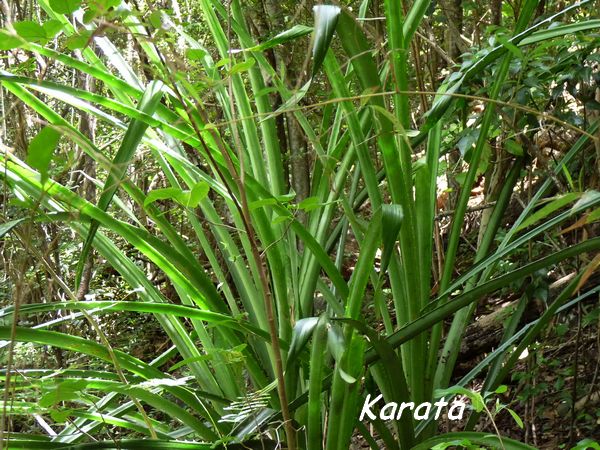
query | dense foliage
(227,224)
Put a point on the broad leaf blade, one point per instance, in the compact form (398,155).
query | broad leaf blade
(326,17)
(65,6)
(392,216)
(302,332)
(40,150)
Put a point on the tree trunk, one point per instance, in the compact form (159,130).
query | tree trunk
(454,17)
(285,64)
(87,126)
(496,8)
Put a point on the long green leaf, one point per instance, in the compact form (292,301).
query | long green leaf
(477,438)
(120,163)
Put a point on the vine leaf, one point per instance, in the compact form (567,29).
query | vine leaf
(40,150)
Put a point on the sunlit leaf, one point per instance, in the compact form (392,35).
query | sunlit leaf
(302,332)
(80,40)
(41,148)
(52,28)
(9,41)
(65,6)
(326,17)
(31,31)
(288,35)
(197,194)
(242,66)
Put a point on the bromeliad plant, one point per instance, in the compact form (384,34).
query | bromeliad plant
(306,368)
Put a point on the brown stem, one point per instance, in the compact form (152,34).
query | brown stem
(17,296)
(238,178)
(243,209)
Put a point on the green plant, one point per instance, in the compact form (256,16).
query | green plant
(263,309)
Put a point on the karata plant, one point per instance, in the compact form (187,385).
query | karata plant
(306,369)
